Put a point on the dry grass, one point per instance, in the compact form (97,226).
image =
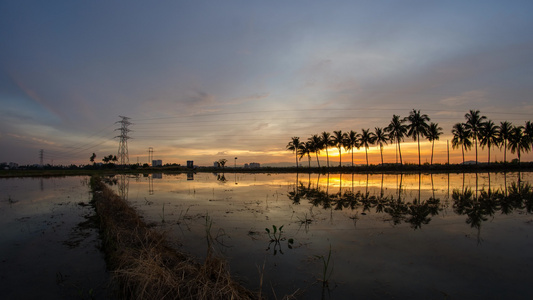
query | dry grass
(145,267)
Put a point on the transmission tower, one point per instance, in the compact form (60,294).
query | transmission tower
(41,156)
(150,155)
(122,156)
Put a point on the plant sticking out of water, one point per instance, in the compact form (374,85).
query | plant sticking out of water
(276,237)
(327,269)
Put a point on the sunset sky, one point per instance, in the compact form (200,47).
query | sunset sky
(205,80)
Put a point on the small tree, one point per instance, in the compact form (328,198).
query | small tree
(222,162)
(92,157)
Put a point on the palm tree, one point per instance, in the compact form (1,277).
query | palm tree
(434,131)
(489,136)
(380,138)
(397,131)
(295,145)
(326,142)
(306,149)
(474,123)
(417,127)
(519,142)
(504,134)
(338,141)
(461,138)
(352,141)
(366,138)
(528,131)
(316,146)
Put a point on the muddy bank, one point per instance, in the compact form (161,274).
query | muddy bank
(144,266)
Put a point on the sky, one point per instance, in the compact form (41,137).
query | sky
(206,80)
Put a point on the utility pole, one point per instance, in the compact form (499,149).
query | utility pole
(123,156)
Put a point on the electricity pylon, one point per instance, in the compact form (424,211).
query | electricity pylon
(123,156)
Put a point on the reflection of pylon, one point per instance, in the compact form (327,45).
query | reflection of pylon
(123,186)
(123,157)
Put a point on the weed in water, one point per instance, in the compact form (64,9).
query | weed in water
(326,271)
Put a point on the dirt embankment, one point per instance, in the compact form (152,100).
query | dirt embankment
(144,266)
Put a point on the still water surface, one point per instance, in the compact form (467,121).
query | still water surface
(387,236)
(395,236)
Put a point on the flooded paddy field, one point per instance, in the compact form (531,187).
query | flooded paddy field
(352,236)
(317,236)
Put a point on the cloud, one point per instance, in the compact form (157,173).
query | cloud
(472,98)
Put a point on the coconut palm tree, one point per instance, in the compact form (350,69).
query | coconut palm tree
(474,123)
(338,140)
(380,138)
(489,136)
(306,149)
(519,142)
(528,131)
(295,145)
(326,142)
(397,131)
(461,138)
(351,141)
(316,145)
(504,134)
(433,134)
(366,138)
(417,127)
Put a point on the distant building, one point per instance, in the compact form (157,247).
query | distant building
(157,163)
(190,164)
(252,165)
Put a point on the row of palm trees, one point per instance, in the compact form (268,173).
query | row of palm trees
(475,130)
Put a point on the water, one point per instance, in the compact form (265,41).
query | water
(387,235)
(47,251)
(390,236)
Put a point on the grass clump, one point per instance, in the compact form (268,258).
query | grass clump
(144,266)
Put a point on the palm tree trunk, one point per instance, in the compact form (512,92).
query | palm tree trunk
(432,147)
(488,162)
(352,157)
(419,161)
(366,152)
(317,159)
(296,156)
(327,156)
(463,148)
(381,150)
(475,139)
(400,151)
(340,158)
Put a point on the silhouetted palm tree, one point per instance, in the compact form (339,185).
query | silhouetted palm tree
(504,134)
(366,138)
(528,131)
(380,138)
(352,141)
(338,140)
(418,127)
(433,134)
(474,123)
(316,146)
(461,138)
(306,149)
(519,142)
(295,145)
(397,131)
(326,142)
(489,136)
